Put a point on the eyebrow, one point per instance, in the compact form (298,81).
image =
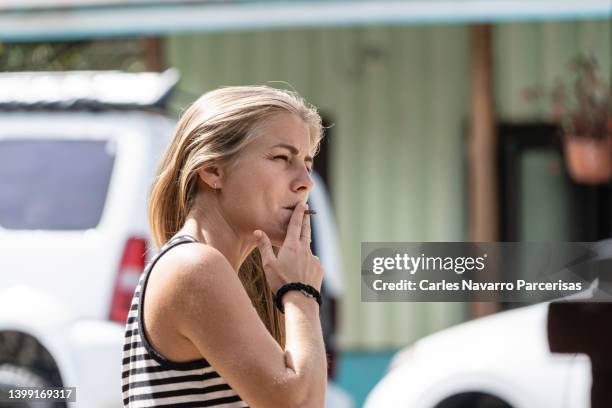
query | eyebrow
(293,150)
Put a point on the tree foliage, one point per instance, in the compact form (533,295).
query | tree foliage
(117,54)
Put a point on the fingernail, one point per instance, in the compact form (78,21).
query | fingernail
(257,234)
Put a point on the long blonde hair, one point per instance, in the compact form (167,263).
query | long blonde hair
(214,129)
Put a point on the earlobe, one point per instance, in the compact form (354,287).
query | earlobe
(210,176)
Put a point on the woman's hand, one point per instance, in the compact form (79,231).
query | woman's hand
(295,261)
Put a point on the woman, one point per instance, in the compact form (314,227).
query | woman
(230,196)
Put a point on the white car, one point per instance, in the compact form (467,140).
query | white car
(78,153)
(498,361)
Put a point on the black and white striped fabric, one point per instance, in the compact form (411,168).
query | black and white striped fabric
(151,380)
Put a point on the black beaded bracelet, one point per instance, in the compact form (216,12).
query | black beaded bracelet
(302,287)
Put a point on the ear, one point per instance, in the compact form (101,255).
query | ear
(211,175)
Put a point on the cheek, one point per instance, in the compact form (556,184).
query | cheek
(242,188)
(254,181)
(252,203)
(254,196)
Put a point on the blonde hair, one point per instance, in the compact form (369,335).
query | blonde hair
(214,129)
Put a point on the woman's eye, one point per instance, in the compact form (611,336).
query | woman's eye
(286,158)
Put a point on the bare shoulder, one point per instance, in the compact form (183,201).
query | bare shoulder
(195,284)
(187,257)
(185,287)
(193,266)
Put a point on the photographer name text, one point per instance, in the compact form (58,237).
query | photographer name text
(471,285)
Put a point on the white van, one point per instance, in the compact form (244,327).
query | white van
(78,153)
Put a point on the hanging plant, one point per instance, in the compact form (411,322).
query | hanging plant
(585,119)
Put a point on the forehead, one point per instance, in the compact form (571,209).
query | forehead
(284,128)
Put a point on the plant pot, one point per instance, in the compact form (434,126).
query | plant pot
(589,160)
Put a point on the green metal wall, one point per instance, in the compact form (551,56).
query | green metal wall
(528,54)
(399,98)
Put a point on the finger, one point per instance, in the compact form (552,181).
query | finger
(295,224)
(305,235)
(265,247)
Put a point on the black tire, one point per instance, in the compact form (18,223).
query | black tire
(473,400)
(12,376)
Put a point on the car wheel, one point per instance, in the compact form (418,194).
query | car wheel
(12,376)
(473,400)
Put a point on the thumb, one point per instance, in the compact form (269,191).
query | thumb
(265,247)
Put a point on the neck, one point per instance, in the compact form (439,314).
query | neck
(206,223)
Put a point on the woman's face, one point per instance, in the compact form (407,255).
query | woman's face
(270,176)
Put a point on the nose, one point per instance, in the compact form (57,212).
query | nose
(302,182)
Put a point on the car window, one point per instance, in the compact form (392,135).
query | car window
(54,184)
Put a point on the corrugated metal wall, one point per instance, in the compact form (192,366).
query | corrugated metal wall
(399,99)
(529,54)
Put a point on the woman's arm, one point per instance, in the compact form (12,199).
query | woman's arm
(215,313)
(304,344)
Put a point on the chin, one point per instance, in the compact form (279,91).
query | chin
(277,241)
(277,236)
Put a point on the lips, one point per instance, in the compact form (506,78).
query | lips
(291,207)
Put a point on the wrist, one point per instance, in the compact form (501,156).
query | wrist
(295,296)
(306,292)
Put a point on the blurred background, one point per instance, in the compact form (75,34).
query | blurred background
(443,121)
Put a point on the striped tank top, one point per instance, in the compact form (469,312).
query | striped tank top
(151,380)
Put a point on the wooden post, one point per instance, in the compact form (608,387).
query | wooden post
(154,54)
(482,154)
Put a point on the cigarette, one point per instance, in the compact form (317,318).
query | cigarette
(309,212)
